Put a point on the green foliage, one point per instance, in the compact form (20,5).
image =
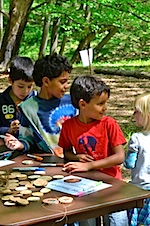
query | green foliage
(130,17)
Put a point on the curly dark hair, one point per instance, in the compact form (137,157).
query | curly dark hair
(50,66)
(87,87)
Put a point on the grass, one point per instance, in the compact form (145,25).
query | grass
(121,64)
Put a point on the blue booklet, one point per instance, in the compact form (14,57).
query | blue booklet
(77,186)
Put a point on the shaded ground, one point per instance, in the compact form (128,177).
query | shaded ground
(120,105)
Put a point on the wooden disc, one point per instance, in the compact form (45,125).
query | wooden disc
(33,177)
(21,188)
(65,199)
(45,190)
(26,192)
(48,178)
(38,194)
(33,198)
(22,176)
(22,202)
(9,203)
(40,183)
(57,176)
(50,201)
(6,197)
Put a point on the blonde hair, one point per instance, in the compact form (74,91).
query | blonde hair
(142,104)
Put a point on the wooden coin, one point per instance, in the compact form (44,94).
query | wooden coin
(22,202)
(9,203)
(65,199)
(33,198)
(26,192)
(21,188)
(33,177)
(13,181)
(45,190)
(40,172)
(29,185)
(50,201)
(11,176)
(15,174)
(27,162)
(6,197)
(48,178)
(38,194)
(40,183)
(17,195)
(6,191)
(57,176)
(12,186)
(24,182)
(2,172)
(14,199)
(22,176)
(72,180)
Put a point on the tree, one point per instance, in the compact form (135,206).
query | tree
(73,25)
(44,37)
(18,15)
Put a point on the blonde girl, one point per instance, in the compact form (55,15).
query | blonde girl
(138,158)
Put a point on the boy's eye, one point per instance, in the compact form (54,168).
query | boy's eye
(63,81)
(20,87)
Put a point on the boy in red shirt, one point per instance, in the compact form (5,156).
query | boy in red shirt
(92,140)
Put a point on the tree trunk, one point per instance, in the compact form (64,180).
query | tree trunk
(83,44)
(112,31)
(136,74)
(44,37)
(19,11)
(63,43)
(1,21)
(54,37)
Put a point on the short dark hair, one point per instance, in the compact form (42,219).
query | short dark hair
(50,66)
(87,87)
(21,68)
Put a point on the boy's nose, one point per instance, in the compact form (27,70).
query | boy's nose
(25,91)
(66,85)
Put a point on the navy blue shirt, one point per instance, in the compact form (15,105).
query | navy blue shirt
(8,110)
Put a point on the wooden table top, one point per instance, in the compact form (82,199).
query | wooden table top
(119,196)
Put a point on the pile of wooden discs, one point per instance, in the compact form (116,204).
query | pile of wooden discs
(20,188)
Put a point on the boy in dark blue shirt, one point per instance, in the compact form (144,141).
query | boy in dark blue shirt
(21,80)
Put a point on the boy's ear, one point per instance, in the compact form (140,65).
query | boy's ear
(82,104)
(9,80)
(45,81)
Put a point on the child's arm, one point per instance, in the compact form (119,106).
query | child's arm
(14,126)
(131,157)
(115,159)
(13,143)
(70,155)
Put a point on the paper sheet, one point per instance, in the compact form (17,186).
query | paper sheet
(6,162)
(82,187)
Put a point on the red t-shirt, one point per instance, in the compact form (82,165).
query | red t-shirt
(96,139)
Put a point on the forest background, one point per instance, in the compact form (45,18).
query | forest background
(117,30)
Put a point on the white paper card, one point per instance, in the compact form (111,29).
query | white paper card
(6,162)
(82,187)
(86,56)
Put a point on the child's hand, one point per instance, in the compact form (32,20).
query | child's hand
(14,126)
(12,142)
(72,167)
(1,142)
(85,158)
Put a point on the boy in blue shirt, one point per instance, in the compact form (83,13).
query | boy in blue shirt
(43,115)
